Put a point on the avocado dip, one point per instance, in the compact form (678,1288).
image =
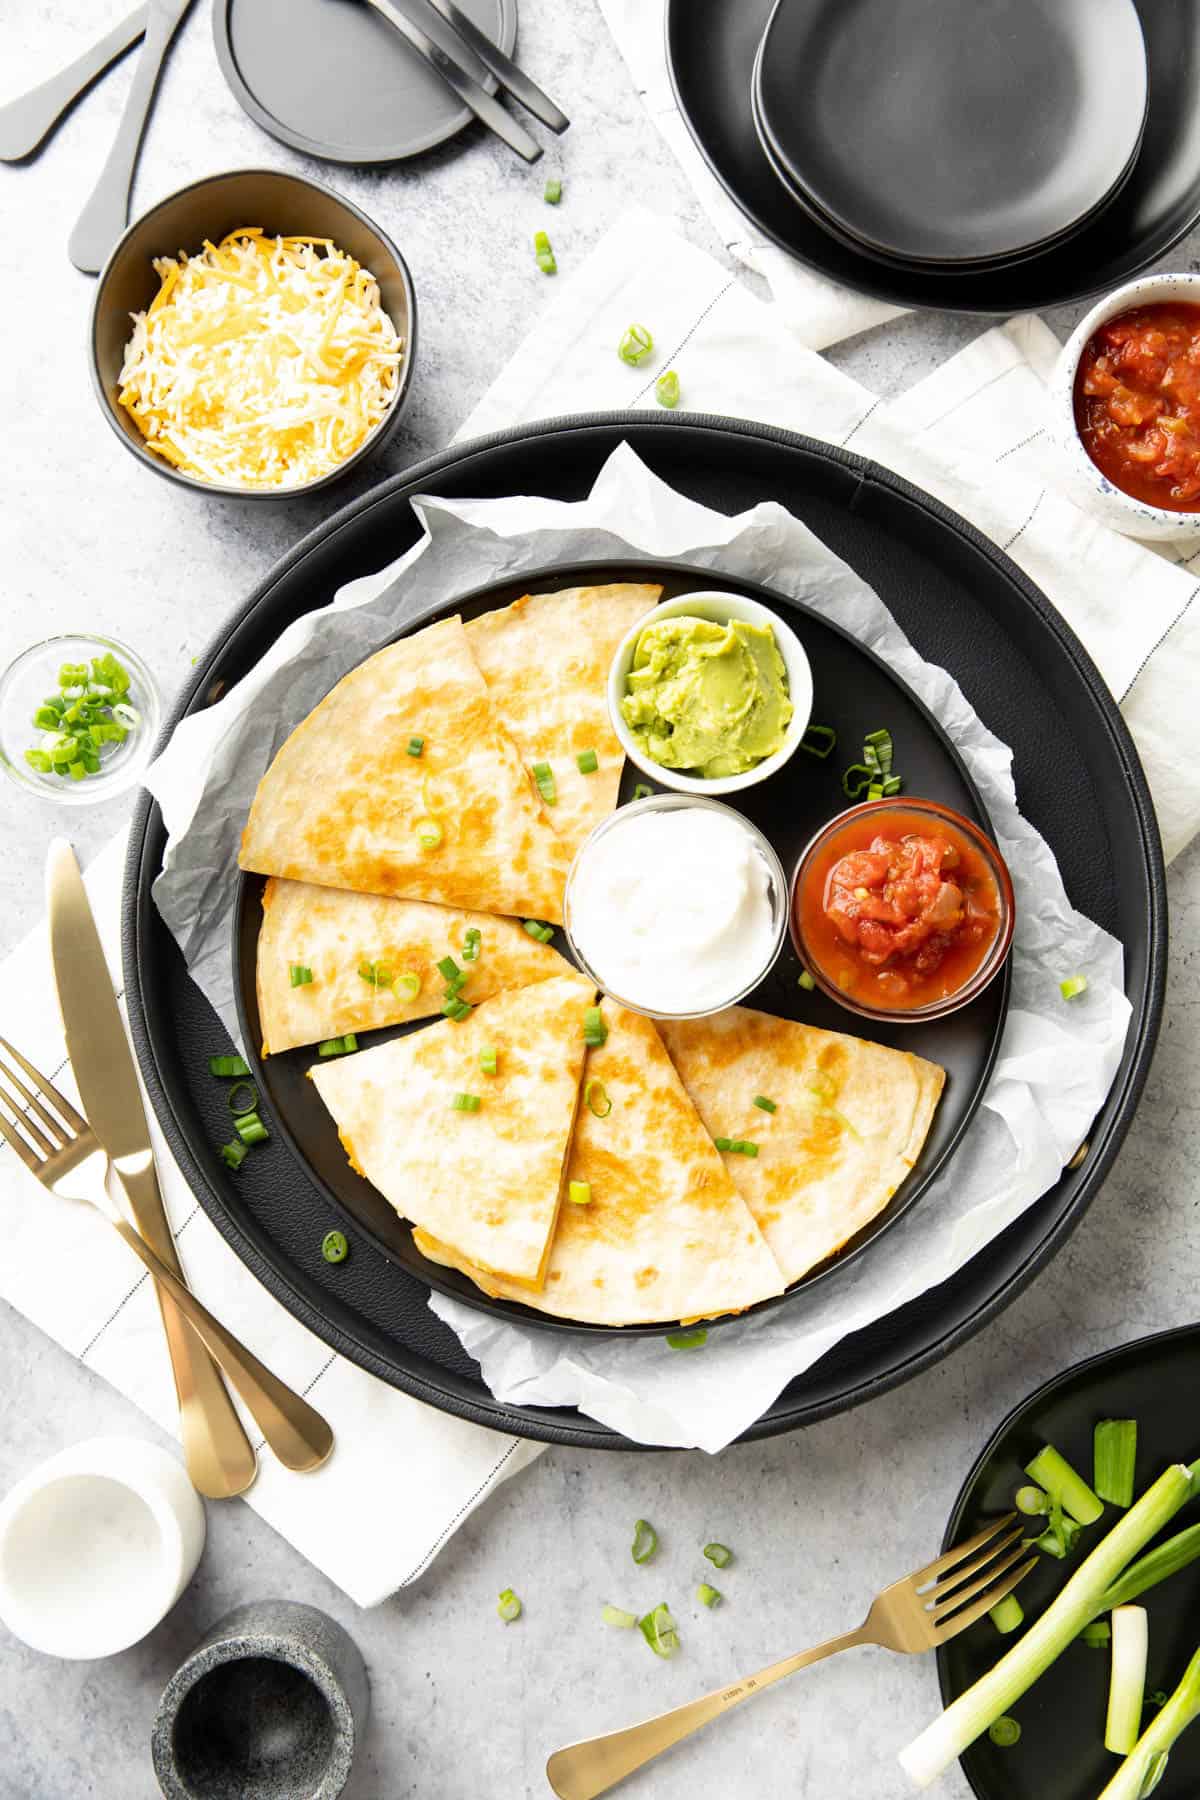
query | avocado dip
(707,698)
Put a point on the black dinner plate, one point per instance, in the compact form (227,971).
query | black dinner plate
(711,47)
(1061,1749)
(963,603)
(853,690)
(948,134)
(334,79)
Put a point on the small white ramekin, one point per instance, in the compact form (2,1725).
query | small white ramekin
(1084,483)
(712,603)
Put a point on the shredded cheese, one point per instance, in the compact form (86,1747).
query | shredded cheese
(261,362)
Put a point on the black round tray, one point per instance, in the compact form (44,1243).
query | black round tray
(964,604)
(854,689)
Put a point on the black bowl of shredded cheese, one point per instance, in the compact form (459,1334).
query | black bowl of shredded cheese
(254,335)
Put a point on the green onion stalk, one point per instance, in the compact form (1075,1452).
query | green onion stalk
(1143,1767)
(1082,1598)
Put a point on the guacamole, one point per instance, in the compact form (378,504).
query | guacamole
(706,698)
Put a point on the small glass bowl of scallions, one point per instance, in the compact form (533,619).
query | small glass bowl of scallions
(79,716)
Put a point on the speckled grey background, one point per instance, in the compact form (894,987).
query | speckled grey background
(462,1705)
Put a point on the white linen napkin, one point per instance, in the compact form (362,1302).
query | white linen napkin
(402,1477)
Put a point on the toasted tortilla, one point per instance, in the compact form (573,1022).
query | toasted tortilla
(546,659)
(665,1235)
(341,801)
(335,933)
(486,1183)
(849,1124)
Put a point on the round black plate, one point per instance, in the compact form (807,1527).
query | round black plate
(711,46)
(334,79)
(853,690)
(939,134)
(1061,1749)
(962,602)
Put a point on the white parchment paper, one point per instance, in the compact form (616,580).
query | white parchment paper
(1056,1061)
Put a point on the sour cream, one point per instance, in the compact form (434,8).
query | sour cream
(675,906)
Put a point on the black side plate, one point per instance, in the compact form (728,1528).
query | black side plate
(963,603)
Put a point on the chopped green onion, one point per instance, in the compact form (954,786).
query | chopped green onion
(719,1555)
(765,1105)
(645,1541)
(875,791)
(543,774)
(1055,1474)
(660,1631)
(579,1193)
(415,746)
(666,389)
(1127,1679)
(891,786)
(1004,1732)
(1074,984)
(1143,1769)
(37,759)
(338,1046)
(299,974)
(239,1107)
(595,1031)
(1114,1452)
(88,712)
(819,741)
(407,985)
(1157,1565)
(623,1621)
(595,1098)
(1007,1614)
(544,253)
(1097,1635)
(641,791)
(737,1146)
(587,762)
(635,346)
(375,974)
(1061,1534)
(536,929)
(1034,1502)
(251,1129)
(687,1340)
(488,1060)
(471,943)
(126,715)
(335,1247)
(227,1065)
(509,1606)
(856,781)
(465,1103)
(708,1596)
(448,969)
(552,192)
(235,1153)
(46,718)
(428,833)
(805,980)
(454,1008)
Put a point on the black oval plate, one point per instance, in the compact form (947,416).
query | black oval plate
(963,603)
(334,79)
(1061,1749)
(711,47)
(854,692)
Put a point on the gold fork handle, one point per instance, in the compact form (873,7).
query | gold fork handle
(297,1433)
(582,1771)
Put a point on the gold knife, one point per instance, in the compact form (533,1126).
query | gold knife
(220,1460)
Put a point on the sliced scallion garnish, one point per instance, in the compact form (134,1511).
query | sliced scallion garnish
(765,1105)
(805,980)
(415,746)
(536,929)
(339,1046)
(1004,1732)
(224,1066)
(1114,1453)
(708,1596)
(428,833)
(235,1153)
(375,974)
(587,762)
(645,1541)
(543,774)
(251,1129)
(239,1106)
(687,1340)
(299,974)
(719,1555)
(471,943)
(666,390)
(819,741)
(552,192)
(1073,985)
(660,1630)
(488,1060)
(595,1031)
(635,346)
(468,1103)
(737,1146)
(579,1193)
(595,1098)
(335,1246)
(407,985)
(641,791)
(544,253)
(615,1616)
(509,1607)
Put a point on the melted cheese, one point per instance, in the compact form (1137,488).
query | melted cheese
(261,362)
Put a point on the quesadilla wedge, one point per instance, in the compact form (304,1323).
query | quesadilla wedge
(362,952)
(485,1181)
(545,659)
(345,804)
(849,1122)
(664,1235)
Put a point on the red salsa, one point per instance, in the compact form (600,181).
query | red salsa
(1137,403)
(898,909)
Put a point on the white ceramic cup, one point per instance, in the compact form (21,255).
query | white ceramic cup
(711,603)
(96,1547)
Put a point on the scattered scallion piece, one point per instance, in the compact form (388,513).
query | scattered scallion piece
(579,1193)
(469,1103)
(595,1098)
(856,781)
(536,929)
(645,1541)
(415,746)
(819,741)
(1143,1767)
(587,762)
(687,1340)
(1127,1679)
(375,974)
(335,1246)
(1004,1732)
(544,253)
(428,833)
(708,1596)
(552,192)
(251,1129)
(1074,984)
(509,1607)
(225,1066)
(666,389)
(543,774)
(487,1060)
(1054,1473)
(595,1031)
(623,1621)
(719,1555)
(765,1105)
(1034,1502)
(641,791)
(456,1009)
(471,943)
(660,1631)
(407,985)
(805,980)
(737,1146)
(1007,1614)
(1114,1453)
(239,1106)
(1097,1635)
(341,1046)
(875,791)
(635,345)
(299,974)
(235,1153)
(448,969)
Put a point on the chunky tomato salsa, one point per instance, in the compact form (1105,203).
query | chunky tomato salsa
(1137,403)
(898,909)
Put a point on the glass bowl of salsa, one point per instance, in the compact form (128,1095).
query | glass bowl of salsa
(901,909)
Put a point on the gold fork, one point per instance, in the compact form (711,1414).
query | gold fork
(67,1157)
(924,1610)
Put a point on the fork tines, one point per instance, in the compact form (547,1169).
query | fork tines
(989,1565)
(20,1114)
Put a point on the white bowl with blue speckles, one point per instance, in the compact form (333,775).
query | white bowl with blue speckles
(1085,484)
